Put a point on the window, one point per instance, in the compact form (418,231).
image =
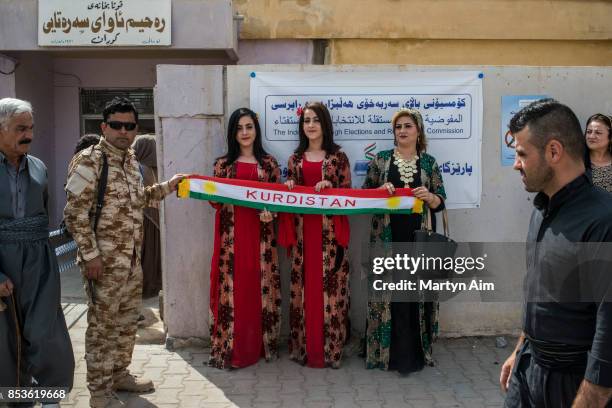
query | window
(93,101)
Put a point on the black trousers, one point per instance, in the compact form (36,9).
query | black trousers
(535,386)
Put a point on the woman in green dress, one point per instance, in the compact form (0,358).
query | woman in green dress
(399,335)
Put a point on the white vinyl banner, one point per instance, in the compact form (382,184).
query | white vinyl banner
(361,105)
(104,23)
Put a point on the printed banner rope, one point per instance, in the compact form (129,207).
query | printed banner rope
(301,200)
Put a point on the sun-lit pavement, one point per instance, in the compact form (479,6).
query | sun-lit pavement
(465,375)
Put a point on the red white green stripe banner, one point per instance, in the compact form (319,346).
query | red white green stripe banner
(301,200)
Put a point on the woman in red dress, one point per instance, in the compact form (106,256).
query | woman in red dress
(318,310)
(244,279)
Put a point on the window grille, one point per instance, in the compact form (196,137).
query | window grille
(94,100)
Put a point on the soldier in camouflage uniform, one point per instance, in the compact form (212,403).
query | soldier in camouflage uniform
(110,255)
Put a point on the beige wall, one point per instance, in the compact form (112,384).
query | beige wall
(472,52)
(490,32)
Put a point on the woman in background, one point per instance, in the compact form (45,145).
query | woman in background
(599,141)
(244,279)
(145,150)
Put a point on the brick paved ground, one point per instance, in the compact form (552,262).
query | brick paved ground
(465,376)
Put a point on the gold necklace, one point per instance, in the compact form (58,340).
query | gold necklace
(407,168)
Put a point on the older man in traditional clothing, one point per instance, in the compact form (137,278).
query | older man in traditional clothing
(34,343)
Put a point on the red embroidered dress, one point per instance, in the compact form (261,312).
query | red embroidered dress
(244,281)
(296,233)
(247,278)
(313,273)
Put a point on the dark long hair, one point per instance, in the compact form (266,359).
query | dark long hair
(233,148)
(326,126)
(607,121)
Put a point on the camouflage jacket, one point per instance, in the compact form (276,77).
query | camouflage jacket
(119,233)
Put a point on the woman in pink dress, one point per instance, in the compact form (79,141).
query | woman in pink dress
(244,279)
(319,304)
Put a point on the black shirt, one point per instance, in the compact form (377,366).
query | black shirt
(560,307)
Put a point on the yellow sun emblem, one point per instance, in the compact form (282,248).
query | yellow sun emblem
(210,187)
(393,202)
(418,206)
(183,188)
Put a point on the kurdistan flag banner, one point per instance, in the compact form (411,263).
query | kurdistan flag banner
(301,199)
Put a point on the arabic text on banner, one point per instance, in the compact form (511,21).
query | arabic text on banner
(361,105)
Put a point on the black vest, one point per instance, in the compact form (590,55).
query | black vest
(36,197)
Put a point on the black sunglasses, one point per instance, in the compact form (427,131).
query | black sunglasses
(116,125)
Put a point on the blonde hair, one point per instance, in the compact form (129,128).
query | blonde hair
(415,115)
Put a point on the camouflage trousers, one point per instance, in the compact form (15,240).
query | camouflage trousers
(111,326)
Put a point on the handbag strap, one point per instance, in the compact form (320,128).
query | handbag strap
(445,222)
(429,225)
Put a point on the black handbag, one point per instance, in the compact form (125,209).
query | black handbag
(435,248)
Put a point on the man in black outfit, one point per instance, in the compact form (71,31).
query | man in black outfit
(564,355)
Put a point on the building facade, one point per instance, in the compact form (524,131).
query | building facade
(523,44)
(68,86)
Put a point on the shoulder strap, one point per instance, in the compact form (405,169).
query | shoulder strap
(101,190)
